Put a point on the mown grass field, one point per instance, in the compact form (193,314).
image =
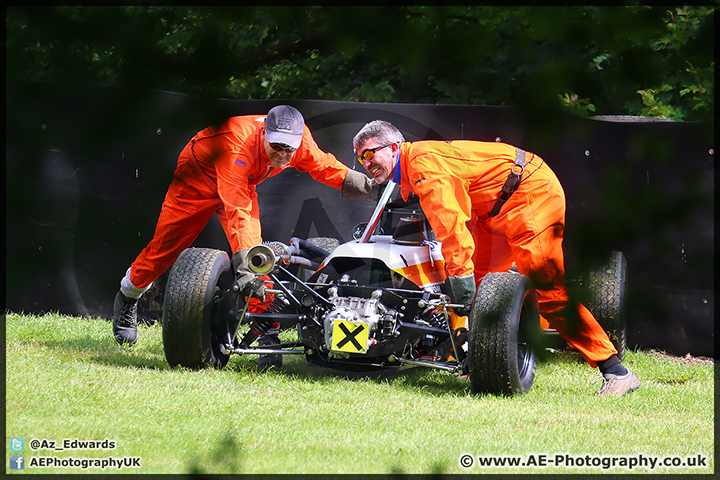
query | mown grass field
(67,379)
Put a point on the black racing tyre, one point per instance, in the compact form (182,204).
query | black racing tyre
(193,326)
(605,289)
(316,249)
(504,323)
(327,244)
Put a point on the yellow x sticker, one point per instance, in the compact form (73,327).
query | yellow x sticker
(350,336)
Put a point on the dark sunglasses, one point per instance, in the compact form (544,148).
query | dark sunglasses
(370,153)
(285,148)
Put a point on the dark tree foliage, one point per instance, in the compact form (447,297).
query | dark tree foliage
(613,60)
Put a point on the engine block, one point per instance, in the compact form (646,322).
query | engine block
(368,311)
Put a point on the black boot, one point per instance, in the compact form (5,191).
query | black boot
(269,360)
(125,319)
(460,338)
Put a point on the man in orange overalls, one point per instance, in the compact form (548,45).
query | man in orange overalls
(458,184)
(217,173)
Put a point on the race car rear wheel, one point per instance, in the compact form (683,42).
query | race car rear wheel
(194,327)
(504,323)
(605,290)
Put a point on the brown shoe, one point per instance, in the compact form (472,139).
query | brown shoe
(619,385)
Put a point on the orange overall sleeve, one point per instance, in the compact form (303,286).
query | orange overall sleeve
(323,167)
(233,161)
(239,198)
(245,164)
(445,200)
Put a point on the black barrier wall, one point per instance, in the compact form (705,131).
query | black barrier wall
(87,169)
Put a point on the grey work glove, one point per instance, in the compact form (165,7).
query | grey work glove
(244,277)
(462,291)
(357,185)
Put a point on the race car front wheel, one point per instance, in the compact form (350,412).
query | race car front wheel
(504,323)
(194,327)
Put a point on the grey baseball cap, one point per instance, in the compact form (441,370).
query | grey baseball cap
(284,124)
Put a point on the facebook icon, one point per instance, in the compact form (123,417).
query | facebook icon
(17,462)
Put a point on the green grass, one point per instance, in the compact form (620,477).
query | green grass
(67,379)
